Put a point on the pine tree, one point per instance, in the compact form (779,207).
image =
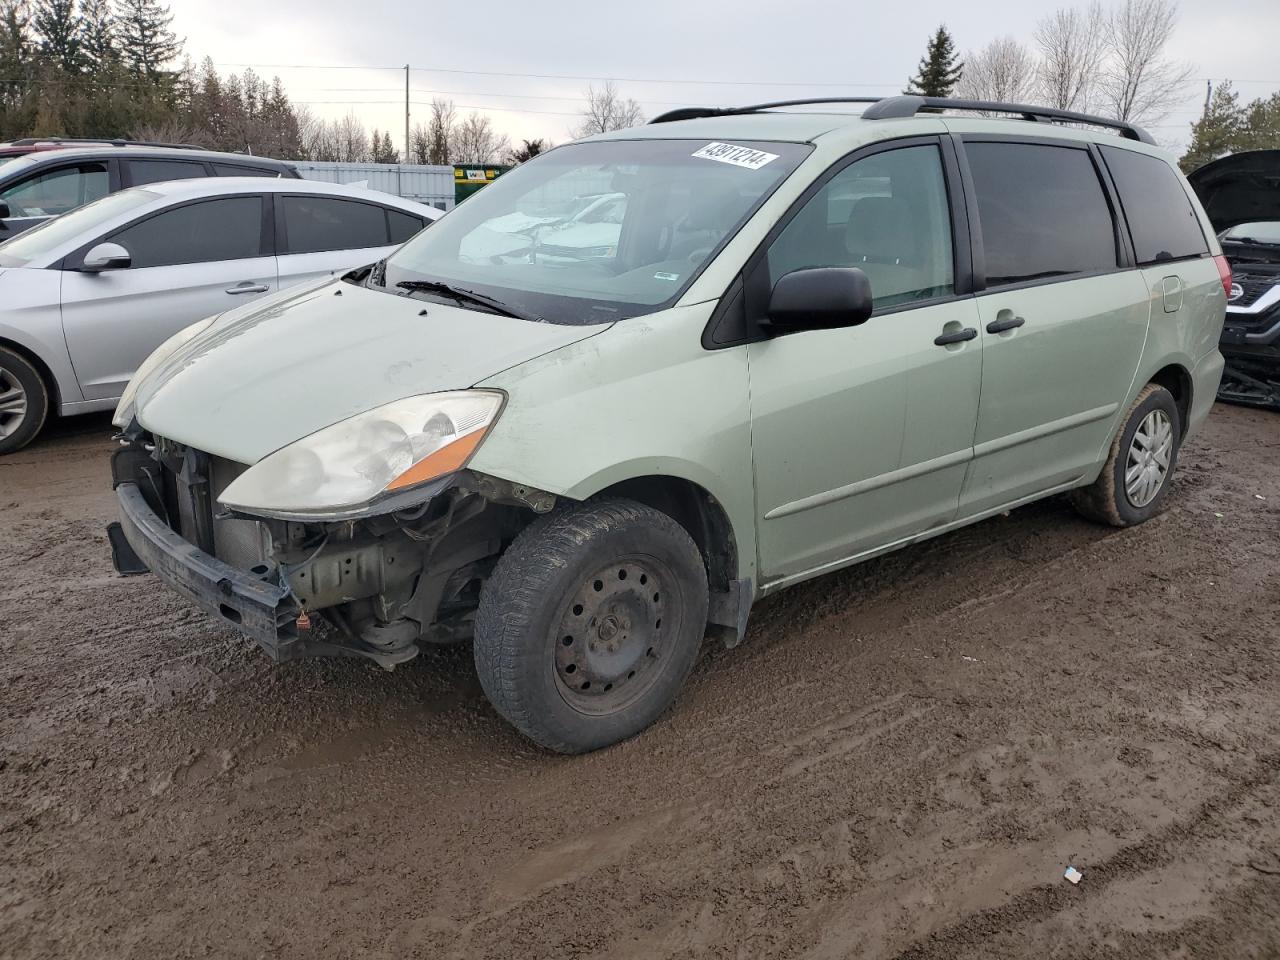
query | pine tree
(527,150)
(98,39)
(939,70)
(147,45)
(1218,132)
(1262,124)
(58,29)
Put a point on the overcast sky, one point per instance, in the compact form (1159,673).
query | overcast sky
(501,55)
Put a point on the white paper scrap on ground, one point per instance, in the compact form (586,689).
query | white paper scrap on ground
(1073,875)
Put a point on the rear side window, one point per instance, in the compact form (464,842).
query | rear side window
(157,171)
(57,191)
(235,170)
(1161,219)
(316,224)
(226,229)
(403,226)
(1043,212)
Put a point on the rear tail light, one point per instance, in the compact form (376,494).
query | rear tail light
(1224,273)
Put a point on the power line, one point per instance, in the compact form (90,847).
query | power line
(573,76)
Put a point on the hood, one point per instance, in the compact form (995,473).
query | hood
(260,378)
(1241,188)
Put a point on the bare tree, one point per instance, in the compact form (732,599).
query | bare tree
(1072,45)
(440,132)
(351,140)
(1003,70)
(1139,83)
(606,109)
(419,144)
(475,141)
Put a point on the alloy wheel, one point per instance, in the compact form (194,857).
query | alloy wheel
(1149,454)
(13,403)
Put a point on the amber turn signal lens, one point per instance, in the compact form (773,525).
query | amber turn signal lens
(447,459)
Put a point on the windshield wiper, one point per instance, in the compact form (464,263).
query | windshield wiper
(466,296)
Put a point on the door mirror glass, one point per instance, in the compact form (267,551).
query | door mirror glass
(106,256)
(820,298)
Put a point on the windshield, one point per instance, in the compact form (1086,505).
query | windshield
(47,237)
(595,232)
(7,158)
(1264,232)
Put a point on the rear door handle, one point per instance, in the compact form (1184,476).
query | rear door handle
(957,336)
(247,287)
(1008,323)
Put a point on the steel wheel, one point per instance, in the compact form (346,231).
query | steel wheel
(1149,457)
(611,636)
(13,403)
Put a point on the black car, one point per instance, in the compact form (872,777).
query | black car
(45,183)
(1241,195)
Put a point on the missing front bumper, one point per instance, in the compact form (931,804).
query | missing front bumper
(263,610)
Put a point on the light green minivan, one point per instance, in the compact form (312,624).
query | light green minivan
(584,443)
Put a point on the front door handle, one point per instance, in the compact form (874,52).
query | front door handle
(247,287)
(956,336)
(1005,323)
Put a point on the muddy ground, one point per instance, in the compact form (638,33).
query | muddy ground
(901,760)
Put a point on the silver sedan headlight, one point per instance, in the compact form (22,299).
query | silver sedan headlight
(344,469)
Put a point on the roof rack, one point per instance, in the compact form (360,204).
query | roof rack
(908,105)
(98,141)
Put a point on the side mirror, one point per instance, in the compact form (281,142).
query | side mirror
(5,212)
(820,298)
(106,256)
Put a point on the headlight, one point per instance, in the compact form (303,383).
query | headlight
(124,408)
(341,470)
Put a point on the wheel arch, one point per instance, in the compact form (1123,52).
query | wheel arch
(1176,378)
(42,368)
(693,507)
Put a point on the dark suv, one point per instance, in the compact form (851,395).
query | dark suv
(1241,195)
(43,183)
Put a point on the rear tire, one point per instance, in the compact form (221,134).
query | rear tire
(590,624)
(1135,481)
(24,401)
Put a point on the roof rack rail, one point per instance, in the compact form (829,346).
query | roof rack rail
(697,113)
(908,105)
(99,141)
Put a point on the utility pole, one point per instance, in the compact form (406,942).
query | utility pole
(406,113)
(1208,95)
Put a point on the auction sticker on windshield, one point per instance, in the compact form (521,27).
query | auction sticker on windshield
(738,156)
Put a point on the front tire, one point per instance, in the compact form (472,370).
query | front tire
(24,401)
(1135,481)
(590,624)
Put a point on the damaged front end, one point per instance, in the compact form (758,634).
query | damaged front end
(378,586)
(1241,196)
(1250,342)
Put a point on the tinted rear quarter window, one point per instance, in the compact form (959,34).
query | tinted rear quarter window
(157,171)
(316,224)
(1043,212)
(1162,222)
(403,226)
(226,229)
(236,170)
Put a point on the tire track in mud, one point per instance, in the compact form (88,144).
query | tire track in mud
(1041,902)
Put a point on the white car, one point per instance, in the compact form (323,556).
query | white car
(86,297)
(584,223)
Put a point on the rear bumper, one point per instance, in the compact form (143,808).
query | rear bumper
(263,610)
